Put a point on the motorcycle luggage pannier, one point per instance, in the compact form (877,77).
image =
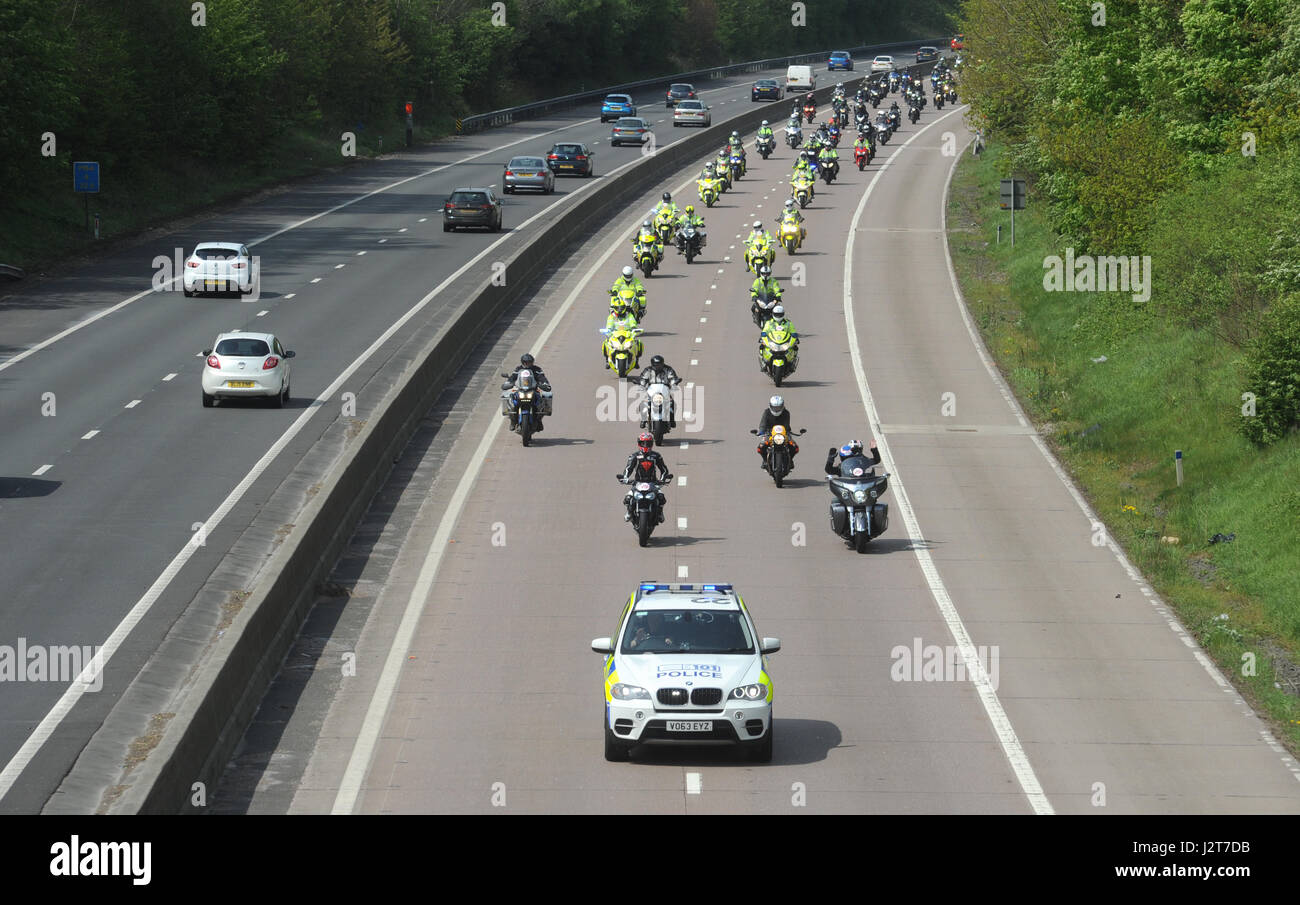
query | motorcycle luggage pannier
(879,519)
(505,403)
(544,403)
(839,518)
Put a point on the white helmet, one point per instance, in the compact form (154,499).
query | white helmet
(778,311)
(789,202)
(765,122)
(776,404)
(758,224)
(645,225)
(627,273)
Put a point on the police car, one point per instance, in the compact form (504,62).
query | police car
(686,666)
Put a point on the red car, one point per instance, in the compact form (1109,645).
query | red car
(959,42)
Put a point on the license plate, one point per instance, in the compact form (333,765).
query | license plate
(566,166)
(214,283)
(241,384)
(690,725)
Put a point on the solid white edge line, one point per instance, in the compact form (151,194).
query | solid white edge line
(979,677)
(63,706)
(1161,608)
(354,775)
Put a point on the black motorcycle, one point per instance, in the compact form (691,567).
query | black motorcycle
(779,461)
(644,510)
(761,308)
(690,242)
(913,114)
(856,514)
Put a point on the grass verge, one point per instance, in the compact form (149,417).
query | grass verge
(1115,423)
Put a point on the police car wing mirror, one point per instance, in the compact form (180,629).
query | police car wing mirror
(606,645)
(769,646)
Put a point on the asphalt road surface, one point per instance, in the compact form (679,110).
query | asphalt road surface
(474,688)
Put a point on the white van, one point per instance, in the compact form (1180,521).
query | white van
(800,78)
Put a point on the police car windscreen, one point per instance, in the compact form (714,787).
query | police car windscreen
(701,631)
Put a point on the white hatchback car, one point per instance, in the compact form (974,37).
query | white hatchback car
(219,267)
(246,364)
(882,63)
(687,666)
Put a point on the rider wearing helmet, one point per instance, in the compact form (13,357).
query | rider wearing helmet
(778,321)
(666,204)
(647,235)
(630,280)
(852,458)
(645,465)
(527,362)
(775,413)
(765,131)
(765,282)
(659,371)
(690,218)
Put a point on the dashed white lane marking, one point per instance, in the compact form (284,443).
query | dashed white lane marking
(289,295)
(171,376)
(714,286)
(731,248)
(681,523)
(708,301)
(704,320)
(699,339)
(681,480)
(979,677)
(686,444)
(262,313)
(40,471)
(316,280)
(695,361)
(726,258)
(422,219)
(382,241)
(360,253)
(132,404)
(694,782)
(683,572)
(339,266)
(89,435)
(402,230)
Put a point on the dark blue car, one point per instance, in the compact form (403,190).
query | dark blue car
(840,59)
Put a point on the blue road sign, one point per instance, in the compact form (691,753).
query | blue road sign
(85,176)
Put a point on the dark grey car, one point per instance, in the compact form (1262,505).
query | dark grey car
(472,207)
(528,173)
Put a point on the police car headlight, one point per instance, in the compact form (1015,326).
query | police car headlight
(749,692)
(621,692)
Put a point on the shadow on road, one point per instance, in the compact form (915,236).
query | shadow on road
(794,742)
(17,488)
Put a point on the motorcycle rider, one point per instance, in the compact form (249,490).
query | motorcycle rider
(645,465)
(527,362)
(659,371)
(775,413)
(765,282)
(648,236)
(629,280)
(829,157)
(791,211)
(620,318)
(852,458)
(765,131)
(665,205)
(689,218)
(779,321)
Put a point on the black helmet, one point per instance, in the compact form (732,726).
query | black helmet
(667,198)
(526,360)
(657,361)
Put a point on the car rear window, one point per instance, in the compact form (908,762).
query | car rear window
(216,254)
(690,105)
(525,163)
(617,99)
(628,122)
(468,198)
(767,83)
(568,149)
(243,348)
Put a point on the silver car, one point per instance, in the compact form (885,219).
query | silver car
(687,112)
(528,173)
(246,364)
(631,130)
(218,267)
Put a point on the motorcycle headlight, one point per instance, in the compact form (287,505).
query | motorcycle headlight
(621,692)
(748,692)
(659,399)
(525,396)
(859,496)
(779,439)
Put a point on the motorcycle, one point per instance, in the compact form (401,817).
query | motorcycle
(829,170)
(778,354)
(708,189)
(938,100)
(723,169)
(861,155)
(643,509)
(801,189)
(882,132)
(856,515)
(835,136)
(737,166)
(646,257)
(765,145)
(631,298)
(622,349)
(690,241)
(760,251)
(893,119)
(779,460)
(793,136)
(810,111)
(913,114)
(951,95)
(525,403)
(665,225)
(657,409)
(790,234)
(760,306)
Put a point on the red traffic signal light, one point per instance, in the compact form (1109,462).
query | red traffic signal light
(410,108)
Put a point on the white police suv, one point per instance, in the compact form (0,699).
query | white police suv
(687,666)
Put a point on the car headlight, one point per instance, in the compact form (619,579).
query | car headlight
(749,693)
(859,496)
(621,692)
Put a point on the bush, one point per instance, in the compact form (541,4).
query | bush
(1273,374)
